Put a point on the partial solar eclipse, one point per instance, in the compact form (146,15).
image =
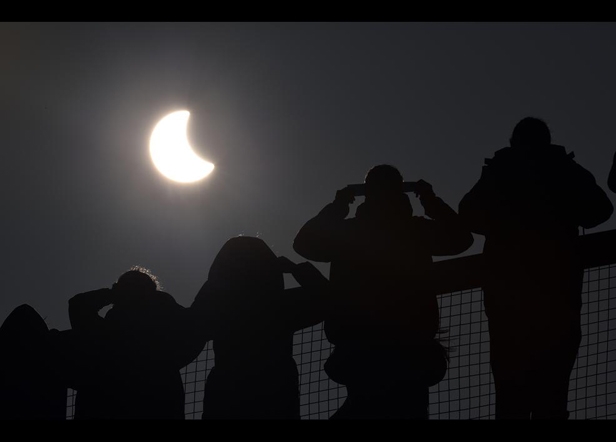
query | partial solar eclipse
(171,152)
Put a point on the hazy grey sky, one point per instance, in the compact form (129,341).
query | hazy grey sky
(288,112)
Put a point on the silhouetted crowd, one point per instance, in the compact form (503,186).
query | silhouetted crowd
(379,307)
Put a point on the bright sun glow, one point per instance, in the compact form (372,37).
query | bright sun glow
(171,152)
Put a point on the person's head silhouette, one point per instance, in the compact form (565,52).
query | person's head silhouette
(134,285)
(530,132)
(384,191)
(246,263)
(383,181)
(23,331)
(137,279)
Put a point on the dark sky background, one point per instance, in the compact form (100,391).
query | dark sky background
(288,113)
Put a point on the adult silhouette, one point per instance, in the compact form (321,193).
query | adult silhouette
(529,203)
(252,318)
(128,362)
(32,382)
(384,317)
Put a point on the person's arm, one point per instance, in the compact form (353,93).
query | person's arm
(322,237)
(592,204)
(208,316)
(446,233)
(83,309)
(611,179)
(304,306)
(475,207)
(182,338)
(305,273)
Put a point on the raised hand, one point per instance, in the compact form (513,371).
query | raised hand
(423,189)
(345,196)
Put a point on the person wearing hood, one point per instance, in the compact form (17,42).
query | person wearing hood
(529,203)
(251,318)
(33,379)
(384,317)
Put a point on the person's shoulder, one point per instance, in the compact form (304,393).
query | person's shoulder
(416,221)
(507,150)
(565,161)
(558,153)
(165,298)
(501,154)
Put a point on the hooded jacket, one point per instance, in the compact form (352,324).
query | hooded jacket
(381,264)
(251,318)
(529,204)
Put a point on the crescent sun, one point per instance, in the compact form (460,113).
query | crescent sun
(171,152)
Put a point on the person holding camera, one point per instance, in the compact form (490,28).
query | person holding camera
(127,363)
(251,318)
(529,203)
(383,318)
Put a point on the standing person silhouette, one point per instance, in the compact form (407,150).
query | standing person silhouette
(128,362)
(252,318)
(32,379)
(529,203)
(384,318)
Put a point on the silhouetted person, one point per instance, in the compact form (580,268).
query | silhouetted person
(385,316)
(611,179)
(129,361)
(31,382)
(252,319)
(529,202)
